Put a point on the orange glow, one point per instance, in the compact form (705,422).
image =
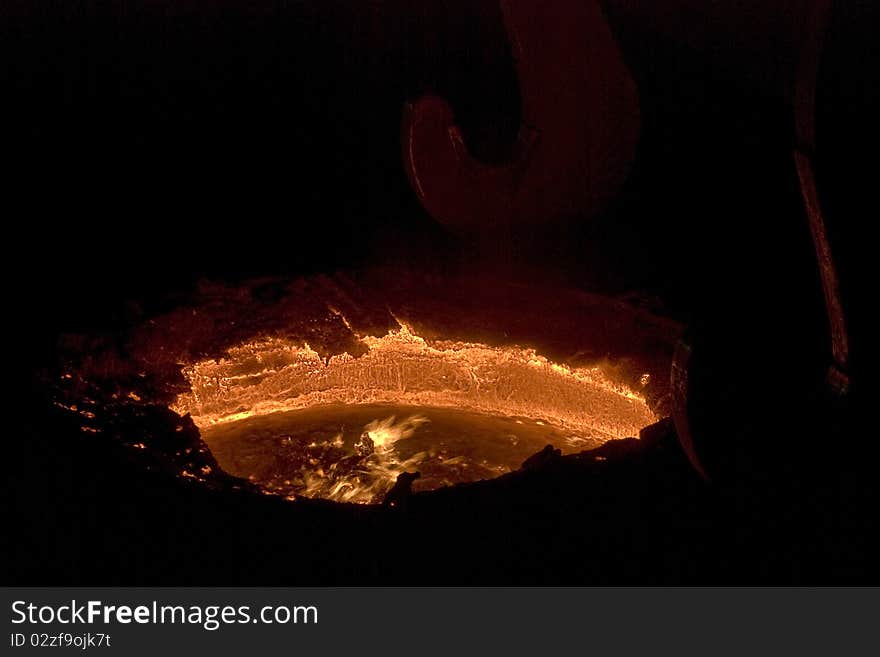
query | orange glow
(580,407)
(274,375)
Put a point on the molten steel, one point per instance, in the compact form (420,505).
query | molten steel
(401,376)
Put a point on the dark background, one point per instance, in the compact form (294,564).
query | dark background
(150,144)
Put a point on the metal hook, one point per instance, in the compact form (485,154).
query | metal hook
(580,126)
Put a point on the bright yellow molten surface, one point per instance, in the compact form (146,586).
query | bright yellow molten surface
(274,375)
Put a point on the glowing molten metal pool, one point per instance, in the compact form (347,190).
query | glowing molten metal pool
(344,427)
